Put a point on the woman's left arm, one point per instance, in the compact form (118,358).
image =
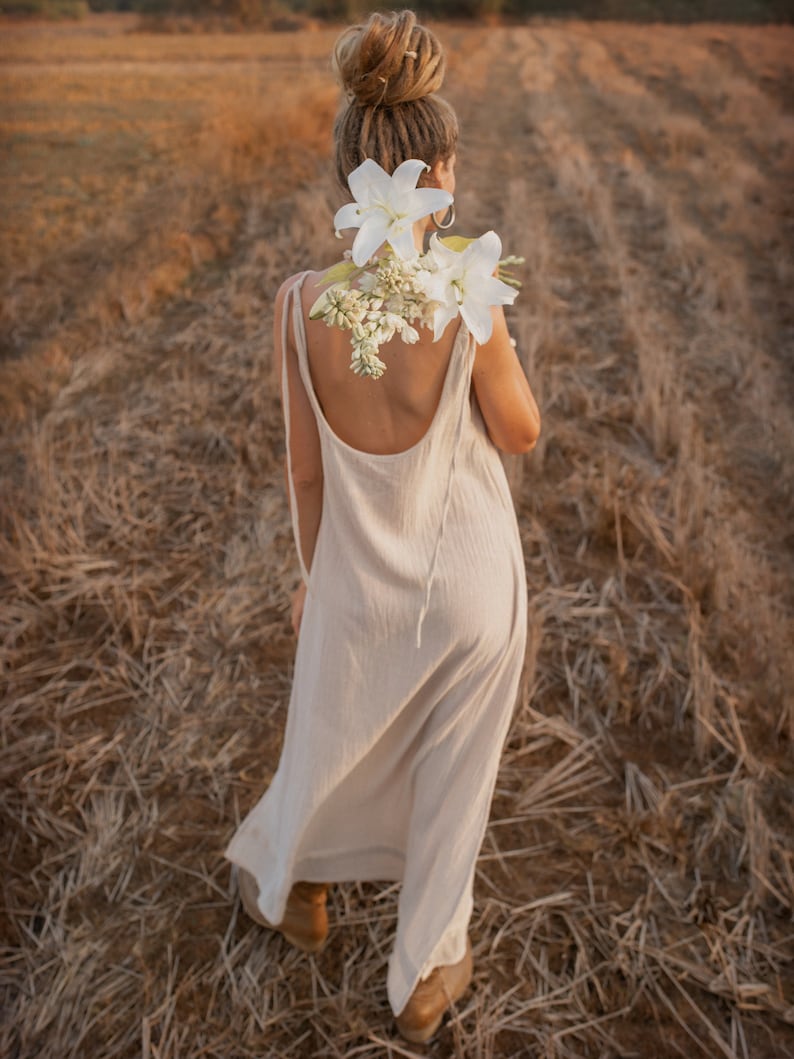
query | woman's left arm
(303,441)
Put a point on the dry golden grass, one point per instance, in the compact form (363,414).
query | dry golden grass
(636,887)
(129,166)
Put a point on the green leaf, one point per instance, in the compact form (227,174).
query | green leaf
(458,243)
(338,273)
(317,311)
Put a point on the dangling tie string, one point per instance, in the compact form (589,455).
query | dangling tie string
(444,509)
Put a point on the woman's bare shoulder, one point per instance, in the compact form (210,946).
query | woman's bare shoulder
(312,282)
(289,282)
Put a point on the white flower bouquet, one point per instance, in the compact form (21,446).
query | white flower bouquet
(376,298)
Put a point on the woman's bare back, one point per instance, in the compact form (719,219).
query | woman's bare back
(387,416)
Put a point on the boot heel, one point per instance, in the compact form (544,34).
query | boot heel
(432,998)
(305,922)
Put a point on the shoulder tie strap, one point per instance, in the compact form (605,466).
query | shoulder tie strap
(293,294)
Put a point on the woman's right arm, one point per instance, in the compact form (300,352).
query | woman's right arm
(503,393)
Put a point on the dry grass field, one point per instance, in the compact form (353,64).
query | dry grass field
(635,892)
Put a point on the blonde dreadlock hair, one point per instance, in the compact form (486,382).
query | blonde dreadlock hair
(390,69)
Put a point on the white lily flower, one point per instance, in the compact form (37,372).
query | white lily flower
(464,283)
(386,208)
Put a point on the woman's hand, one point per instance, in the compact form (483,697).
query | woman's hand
(298,600)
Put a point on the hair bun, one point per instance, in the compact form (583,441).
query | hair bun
(390,59)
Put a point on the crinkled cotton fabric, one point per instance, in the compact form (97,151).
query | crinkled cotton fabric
(406,674)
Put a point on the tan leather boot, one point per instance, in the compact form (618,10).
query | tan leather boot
(422,1015)
(305,922)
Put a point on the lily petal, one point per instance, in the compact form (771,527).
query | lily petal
(402,243)
(424,201)
(478,319)
(406,176)
(369,181)
(437,287)
(443,256)
(489,249)
(373,232)
(348,217)
(441,317)
(495,292)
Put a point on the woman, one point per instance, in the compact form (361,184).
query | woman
(412,610)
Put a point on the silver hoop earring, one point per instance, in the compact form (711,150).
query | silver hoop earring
(448,221)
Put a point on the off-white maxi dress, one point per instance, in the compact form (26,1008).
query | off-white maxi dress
(406,673)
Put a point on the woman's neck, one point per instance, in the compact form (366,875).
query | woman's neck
(420,227)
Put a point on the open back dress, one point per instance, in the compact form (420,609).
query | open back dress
(407,667)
